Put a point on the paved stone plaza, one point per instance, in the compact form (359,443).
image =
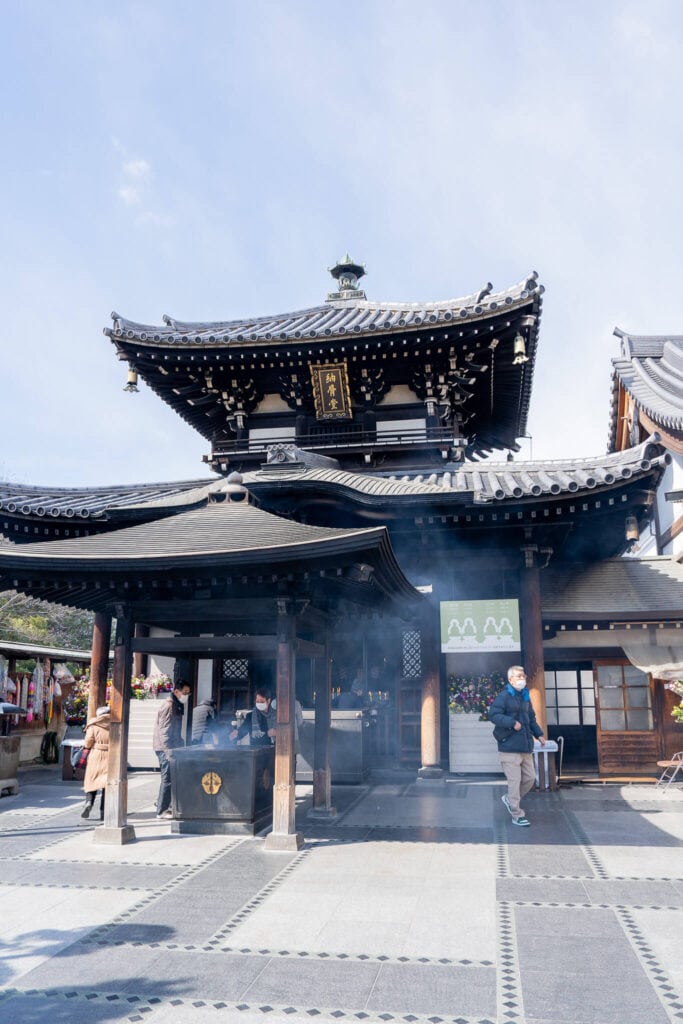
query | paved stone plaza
(422,902)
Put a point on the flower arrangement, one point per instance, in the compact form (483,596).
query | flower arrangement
(75,705)
(159,682)
(473,694)
(139,688)
(143,687)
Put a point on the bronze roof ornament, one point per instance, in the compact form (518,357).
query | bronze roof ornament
(347,273)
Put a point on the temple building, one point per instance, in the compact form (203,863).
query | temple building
(383,437)
(647,400)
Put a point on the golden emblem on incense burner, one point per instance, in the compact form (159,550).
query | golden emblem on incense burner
(211,783)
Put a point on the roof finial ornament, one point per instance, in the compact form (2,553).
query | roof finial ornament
(347,274)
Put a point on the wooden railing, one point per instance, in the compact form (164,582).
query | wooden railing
(331,440)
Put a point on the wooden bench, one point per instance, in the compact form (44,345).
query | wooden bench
(671,769)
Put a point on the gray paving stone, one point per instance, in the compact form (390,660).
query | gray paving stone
(37,1009)
(626,828)
(246,866)
(576,964)
(568,921)
(215,975)
(642,893)
(89,967)
(435,988)
(622,998)
(12,872)
(314,983)
(23,843)
(544,890)
(574,954)
(129,876)
(427,834)
(534,859)
(185,919)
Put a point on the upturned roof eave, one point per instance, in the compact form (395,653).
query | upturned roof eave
(451,486)
(542,483)
(376,318)
(338,550)
(642,359)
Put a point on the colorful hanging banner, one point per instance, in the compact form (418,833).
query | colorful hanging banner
(331,391)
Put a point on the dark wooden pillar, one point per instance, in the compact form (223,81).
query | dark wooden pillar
(115,829)
(101,639)
(284,835)
(532,632)
(140,660)
(322,777)
(430,720)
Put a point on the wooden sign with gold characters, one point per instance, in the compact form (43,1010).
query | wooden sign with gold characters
(331,391)
(211,783)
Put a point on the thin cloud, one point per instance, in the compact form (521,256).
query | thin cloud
(137,169)
(130,195)
(137,190)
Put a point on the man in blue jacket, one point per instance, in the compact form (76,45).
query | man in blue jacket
(515,727)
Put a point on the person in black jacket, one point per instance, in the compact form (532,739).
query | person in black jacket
(515,727)
(259,723)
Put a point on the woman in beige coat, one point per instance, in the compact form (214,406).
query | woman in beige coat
(97,742)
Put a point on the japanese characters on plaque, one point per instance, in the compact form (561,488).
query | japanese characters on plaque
(331,391)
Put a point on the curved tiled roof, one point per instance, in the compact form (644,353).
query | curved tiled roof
(650,369)
(481,481)
(335,318)
(238,530)
(613,587)
(87,503)
(473,482)
(227,532)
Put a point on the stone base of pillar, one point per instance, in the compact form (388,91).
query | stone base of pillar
(430,774)
(322,813)
(114,836)
(279,842)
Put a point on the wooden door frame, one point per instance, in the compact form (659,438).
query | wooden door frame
(648,734)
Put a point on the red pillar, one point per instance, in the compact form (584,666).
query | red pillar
(101,639)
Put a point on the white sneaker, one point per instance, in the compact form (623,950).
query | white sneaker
(166,814)
(506,801)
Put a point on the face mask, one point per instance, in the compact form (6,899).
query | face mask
(183,698)
(261,705)
(518,684)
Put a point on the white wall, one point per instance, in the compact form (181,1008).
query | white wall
(159,662)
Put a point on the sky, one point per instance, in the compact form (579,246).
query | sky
(210,159)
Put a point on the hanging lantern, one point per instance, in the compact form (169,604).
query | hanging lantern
(519,351)
(132,382)
(631,530)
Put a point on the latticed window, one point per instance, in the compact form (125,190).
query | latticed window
(234,686)
(569,695)
(411,665)
(233,669)
(625,699)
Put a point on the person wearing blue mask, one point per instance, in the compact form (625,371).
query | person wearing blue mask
(515,727)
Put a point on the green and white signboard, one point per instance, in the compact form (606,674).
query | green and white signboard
(474,627)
